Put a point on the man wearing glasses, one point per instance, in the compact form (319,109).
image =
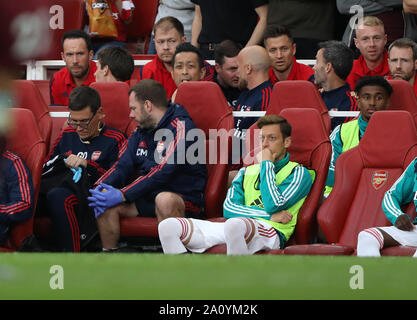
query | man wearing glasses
(84,151)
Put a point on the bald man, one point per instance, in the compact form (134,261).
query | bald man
(253,66)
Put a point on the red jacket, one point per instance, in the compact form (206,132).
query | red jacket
(360,70)
(298,71)
(62,83)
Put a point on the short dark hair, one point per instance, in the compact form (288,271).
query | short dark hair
(404,43)
(284,125)
(119,60)
(188,47)
(277,31)
(152,90)
(339,55)
(83,97)
(77,34)
(373,81)
(168,23)
(226,48)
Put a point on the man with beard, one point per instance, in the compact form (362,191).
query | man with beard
(334,61)
(79,70)
(165,183)
(226,76)
(281,49)
(253,65)
(402,61)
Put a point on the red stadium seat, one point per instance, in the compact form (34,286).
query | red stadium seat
(298,94)
(403,97)
(28,96)
(43,87)
(74,17)
(208,108)
(26,141)
(143,21)
(362,176)
(115,104)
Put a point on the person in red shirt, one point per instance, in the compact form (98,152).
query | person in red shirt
(370,40)
(169,33)
(403,61)
(79,70)
(281,49)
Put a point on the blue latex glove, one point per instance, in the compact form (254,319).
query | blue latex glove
(92,199)
(98,211)
(77,173)
(106,198)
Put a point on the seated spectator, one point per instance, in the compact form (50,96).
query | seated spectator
(169,33)
(79,69)
(310,22)
(370,40)
(122,13)
(261,206)
(403,231)
(242,21)
(114,64)
(16,193)
(402,60)
(227,76)
(334,62)
(183,10)
(81,154)
(165,184)
(281,50)
(253,65)
(373,95)
(187,65)
(388,11)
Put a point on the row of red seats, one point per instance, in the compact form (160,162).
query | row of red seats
(311,147)
(75,17)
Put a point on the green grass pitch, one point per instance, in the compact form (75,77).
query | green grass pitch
(154,276)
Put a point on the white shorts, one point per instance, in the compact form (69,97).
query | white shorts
(262,237)
(404,238)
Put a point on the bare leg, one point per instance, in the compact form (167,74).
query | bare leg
(109,223)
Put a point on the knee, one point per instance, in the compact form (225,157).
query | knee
(168,204)
(168,228)
(234,227)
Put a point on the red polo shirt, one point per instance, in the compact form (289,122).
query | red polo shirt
(156,70)
(298,71)
(360,70)
(61,84)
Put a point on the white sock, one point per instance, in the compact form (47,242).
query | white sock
(170,231)
(370,242)
(173,232)
(234,232)
(415,254)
